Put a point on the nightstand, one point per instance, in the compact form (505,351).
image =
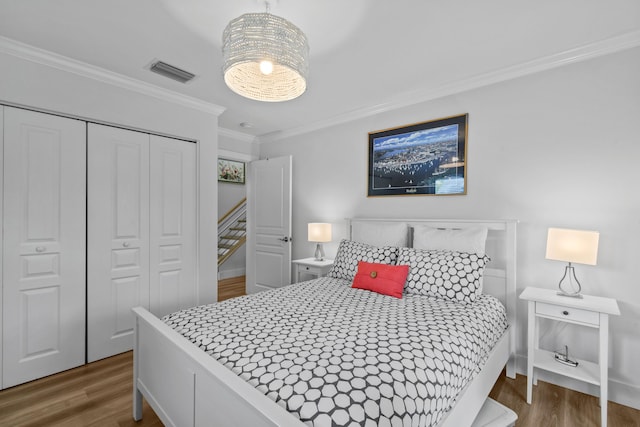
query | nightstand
(589,311)
(311,266)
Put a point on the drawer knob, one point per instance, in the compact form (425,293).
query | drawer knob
(565,312)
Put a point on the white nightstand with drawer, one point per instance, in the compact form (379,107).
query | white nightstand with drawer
(588,311)
(311,266)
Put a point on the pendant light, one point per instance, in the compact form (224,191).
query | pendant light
(266,57)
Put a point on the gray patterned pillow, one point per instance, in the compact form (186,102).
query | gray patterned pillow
(349,253)
(451,275)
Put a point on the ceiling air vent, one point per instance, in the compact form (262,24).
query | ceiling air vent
(172,72)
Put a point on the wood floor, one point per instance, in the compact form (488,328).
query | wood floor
(97,394)
(232,287)
(554,406)
(100,394)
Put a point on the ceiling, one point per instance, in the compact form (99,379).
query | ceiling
(366,55)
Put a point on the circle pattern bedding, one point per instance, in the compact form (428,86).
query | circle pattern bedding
(337,356)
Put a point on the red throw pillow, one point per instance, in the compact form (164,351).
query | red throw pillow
(381,278)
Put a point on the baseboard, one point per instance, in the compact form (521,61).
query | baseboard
(619,392)
(235,272)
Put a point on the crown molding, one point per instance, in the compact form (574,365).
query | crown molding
(234,134)
(234,155)
(593,50)
(43,57)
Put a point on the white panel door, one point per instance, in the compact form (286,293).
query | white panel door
(172,225)
(269,224)
(118,237)
(44,245)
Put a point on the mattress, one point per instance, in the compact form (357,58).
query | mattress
(334,355)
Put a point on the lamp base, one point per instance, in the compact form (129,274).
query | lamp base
(319,255)
(571,281)
(564,294)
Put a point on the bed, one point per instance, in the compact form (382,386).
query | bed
(186,386)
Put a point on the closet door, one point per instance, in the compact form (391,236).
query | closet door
(118,237)
(173,225)
(43,304)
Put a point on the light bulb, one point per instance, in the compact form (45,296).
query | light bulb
(266,67)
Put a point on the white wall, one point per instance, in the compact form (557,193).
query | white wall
(558,148)
(44,87)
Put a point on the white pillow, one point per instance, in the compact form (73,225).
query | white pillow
(380,233)
(470,240)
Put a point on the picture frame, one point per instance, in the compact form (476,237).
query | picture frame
(427,158)
(231,171)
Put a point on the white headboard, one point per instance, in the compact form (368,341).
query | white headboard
(500,274)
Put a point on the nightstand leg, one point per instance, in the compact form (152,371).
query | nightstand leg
(604,367)
(532,344)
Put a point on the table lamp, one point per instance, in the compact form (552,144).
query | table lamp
(320,233)
(572,246)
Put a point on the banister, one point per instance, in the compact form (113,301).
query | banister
(233,209)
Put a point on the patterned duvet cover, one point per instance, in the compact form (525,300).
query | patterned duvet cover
(334,355)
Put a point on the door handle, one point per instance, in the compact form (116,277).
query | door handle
(285,239)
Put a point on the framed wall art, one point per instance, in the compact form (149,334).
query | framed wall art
(422,158)
(230,171)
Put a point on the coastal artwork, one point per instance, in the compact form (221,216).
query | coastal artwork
(423,158)
(230,171)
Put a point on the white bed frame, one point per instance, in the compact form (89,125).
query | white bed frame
(187,387)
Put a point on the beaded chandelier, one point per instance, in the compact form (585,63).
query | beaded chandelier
(266,57)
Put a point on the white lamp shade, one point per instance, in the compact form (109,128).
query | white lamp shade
(576,246)
(319,232)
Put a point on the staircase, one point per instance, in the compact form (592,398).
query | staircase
(232,231)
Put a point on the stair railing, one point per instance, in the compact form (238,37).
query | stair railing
(232,231)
